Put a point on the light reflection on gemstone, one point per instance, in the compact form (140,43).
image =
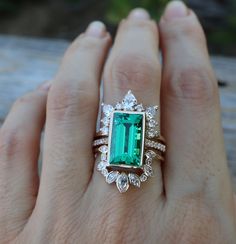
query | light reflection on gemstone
(122,182)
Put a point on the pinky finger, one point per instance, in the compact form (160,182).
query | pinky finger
(19,149)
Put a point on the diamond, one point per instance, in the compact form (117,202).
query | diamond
(152,123)
(122,182)
(103,149)
(107,109)
(101,166)
(129,101)
(148,161)
(139,108)
(105,121)
(112,176)
(148,170)
(119,106)
(150,154)
(143,177)
(152,133)
(151,112)
(103,156)
(104,130)
(105,172)
(134,180)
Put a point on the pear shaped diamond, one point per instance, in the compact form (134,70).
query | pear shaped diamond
(122,182)
(129,101)
(134,180)
(112,176)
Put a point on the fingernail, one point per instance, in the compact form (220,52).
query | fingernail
(175,9)
(96,29)
(139,13)
(45,86)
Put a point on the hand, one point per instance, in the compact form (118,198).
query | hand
(190,199)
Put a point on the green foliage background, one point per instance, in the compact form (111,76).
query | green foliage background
(221,37)
(118,9)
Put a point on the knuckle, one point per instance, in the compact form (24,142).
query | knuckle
(26,99)
(65,101)
(10,142)
(34,97)
(133,71)
(193,84)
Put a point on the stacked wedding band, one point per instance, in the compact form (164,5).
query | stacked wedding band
(128,142)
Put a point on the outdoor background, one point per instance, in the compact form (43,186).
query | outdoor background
(35,34)
(66,18)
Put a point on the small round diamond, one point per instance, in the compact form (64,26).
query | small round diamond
(119,106)
(107,109)
(151,112)
(105,121)
(104,130)
(139,108)
(152,123)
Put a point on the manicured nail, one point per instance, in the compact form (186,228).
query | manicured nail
(139,13)
(175,9)
(45,86)
(96,29)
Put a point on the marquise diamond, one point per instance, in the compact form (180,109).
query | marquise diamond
(112,176)
(134,180)
(122,182)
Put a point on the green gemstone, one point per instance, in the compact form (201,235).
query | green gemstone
(126,144)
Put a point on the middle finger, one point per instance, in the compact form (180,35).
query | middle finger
(133,65)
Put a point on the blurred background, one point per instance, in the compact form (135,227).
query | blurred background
(66,18)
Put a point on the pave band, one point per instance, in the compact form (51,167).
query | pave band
(158,145)
(128,142)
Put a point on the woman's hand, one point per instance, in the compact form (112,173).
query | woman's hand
(190,199)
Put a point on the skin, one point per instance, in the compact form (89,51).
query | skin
(190,199)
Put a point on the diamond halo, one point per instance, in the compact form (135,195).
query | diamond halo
(124,177)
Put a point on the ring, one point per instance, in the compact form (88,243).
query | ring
(128,142)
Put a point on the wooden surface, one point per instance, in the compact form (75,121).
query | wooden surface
(25,63)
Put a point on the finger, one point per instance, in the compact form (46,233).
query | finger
(133,65)
(19,151)
(71,116)
(195,159)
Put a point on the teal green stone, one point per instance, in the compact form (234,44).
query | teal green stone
(126,139)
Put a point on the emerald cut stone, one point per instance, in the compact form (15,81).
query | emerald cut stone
(126,139)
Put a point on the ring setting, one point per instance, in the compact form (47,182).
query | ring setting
(128,142)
